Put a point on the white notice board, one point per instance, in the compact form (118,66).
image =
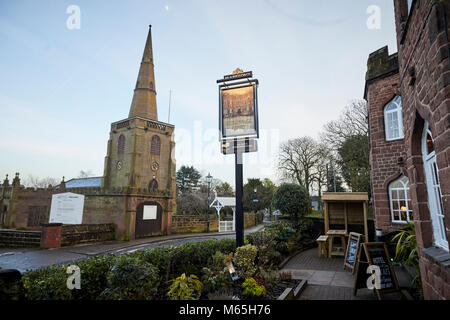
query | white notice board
(150,212)
(67,208)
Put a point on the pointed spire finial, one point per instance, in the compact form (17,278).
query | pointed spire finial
(144,98)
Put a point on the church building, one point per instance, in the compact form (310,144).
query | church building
(138,189)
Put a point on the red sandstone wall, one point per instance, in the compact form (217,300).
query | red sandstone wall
(384,155)
(425,85)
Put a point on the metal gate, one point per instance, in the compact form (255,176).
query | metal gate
(148,219)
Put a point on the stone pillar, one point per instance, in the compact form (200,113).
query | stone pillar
(51,235)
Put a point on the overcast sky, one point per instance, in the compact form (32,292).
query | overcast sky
(61,88)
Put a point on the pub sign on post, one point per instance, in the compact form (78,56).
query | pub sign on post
(238,107)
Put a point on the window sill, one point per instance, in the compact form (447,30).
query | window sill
(393,140)
(438,255)
(400,222)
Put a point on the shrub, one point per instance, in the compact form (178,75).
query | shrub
(131,279)
(46,284)
(252,290)
(292,199)
(185,288)
(94,272)
(270,277)
(265,244)
(215,276)
(166,263)
(244,260)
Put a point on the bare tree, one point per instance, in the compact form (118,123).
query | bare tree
(298,160)
(352,122)
(36,182)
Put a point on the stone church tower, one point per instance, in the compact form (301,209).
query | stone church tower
(140,148)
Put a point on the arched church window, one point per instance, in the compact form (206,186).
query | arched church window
(121,145)
(155,147)
(400,200)
(393,119)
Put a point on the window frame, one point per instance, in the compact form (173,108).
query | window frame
(397,101)
(406,191)
(437,218)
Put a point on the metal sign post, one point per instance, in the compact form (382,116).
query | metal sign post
(239,206)
(239,129)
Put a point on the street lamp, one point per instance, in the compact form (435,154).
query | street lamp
(209,180)
(255,201)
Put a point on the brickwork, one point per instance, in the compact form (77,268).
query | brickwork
(194,223)
(80,234)
(423,81)
(197,223)
(387,158)
(51,236)
(18,238)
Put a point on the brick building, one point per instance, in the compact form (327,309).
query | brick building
(408,97)
(137,191)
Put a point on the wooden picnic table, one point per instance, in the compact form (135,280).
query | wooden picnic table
(342,234)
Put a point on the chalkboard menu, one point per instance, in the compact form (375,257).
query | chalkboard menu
(352,249)
(375,254)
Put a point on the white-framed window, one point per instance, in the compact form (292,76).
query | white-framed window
(400,200)
(393,119)
(433,188)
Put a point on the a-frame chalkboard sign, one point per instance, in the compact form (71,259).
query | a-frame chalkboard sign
(375,254)
(353,247)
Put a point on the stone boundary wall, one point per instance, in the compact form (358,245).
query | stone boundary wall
(80,234)
(193,223)
(71,235)
(197,223)
(19,238)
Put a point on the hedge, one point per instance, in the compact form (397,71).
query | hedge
(97,273)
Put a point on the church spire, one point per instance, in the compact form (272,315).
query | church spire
(144,98)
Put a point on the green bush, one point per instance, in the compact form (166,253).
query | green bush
(46,284)
(94,272)
(50,283)
(266,246)
(185,288)
(215,276)
(244,260)
(131,279)
(252,290)
(292,199)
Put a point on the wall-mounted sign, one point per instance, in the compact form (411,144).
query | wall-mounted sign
(67,208)
(150,213)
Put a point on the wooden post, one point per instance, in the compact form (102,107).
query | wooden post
(346,217)
(325,216)
(366,229)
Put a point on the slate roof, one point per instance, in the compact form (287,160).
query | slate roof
(84,182)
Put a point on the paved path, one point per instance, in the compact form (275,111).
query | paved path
(25,259)
(328,280)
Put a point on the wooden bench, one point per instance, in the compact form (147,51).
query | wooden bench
(322,242)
